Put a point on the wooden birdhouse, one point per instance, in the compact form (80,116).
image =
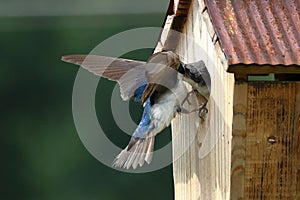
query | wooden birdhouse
(249,145)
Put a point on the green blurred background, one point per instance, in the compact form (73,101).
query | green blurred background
(42,155)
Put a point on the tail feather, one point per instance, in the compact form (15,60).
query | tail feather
(121,158)
(133,154)
(140,152)
(142,156)
(149,152)
(138,157)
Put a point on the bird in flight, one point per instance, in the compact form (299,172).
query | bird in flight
(158,85)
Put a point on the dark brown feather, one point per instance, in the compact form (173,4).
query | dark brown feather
(160,72)
(129,74)
(164,75)
(108,67)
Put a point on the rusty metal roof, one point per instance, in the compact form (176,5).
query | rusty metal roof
(264,32)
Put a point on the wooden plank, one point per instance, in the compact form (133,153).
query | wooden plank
(264,69)
(264,162)
(181,8)
(272,142)
(202,149)
(296,142)
(239,131)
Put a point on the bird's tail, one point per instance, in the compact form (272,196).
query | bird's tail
(136,153)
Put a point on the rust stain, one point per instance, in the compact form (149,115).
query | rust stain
(257,32)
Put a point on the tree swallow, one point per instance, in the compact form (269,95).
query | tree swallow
(157,84)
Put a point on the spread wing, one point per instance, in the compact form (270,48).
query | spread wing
(161,73)
(129,74)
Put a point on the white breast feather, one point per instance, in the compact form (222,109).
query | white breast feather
(163,111)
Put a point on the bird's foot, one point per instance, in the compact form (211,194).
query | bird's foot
(187,97)
(202,110)
(180,109)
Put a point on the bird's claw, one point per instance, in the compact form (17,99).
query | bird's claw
(187,97)
(180,109)
(202,111)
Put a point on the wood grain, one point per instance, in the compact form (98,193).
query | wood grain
(272,142)
(264,69)
(202,149)
(248,148)
(239,132)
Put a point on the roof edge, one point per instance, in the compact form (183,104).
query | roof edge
(263,69)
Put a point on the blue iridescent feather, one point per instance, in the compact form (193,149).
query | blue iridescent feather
(142,130)
(138,93)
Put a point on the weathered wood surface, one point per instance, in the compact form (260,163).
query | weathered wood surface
(264,69)
(266,141)
(239,131)
(261,160)
(272,144)
(201,149)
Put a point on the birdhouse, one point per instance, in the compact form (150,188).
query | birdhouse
(248,147)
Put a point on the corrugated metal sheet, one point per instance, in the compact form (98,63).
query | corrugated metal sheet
(257,31)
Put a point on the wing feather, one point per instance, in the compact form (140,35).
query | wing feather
(120,70)
(161,73)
